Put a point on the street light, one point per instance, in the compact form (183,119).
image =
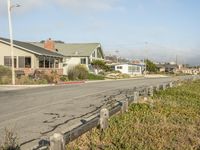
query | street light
(11,38)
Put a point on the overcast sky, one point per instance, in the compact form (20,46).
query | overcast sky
(157,29)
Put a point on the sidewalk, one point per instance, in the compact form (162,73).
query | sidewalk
(21,87)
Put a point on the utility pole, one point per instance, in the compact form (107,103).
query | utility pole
(11,38)
(117,52)
(146,43)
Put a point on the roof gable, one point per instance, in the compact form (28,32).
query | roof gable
(75,49)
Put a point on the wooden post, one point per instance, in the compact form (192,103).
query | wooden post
(57,142)
(163,87)
(104,116)
(136,96)
(124,107)
(150,91)
(194,78)
(157,88)
(146,91)
(171,84)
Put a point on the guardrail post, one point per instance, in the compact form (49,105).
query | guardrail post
(57,142)
(136,96)
(150,91)
(104,116)
(163,87)
(157,88)
(124,107)
(171,84)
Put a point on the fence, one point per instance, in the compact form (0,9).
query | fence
(58,141)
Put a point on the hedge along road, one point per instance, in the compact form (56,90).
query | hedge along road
(35,114)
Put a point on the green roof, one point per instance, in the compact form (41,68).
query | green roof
(31,48)
(75,49)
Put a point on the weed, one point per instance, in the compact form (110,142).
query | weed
(10,141)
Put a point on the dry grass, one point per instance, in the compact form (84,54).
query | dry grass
(172,122)
(10,141)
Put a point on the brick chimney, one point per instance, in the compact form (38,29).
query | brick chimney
(49,44)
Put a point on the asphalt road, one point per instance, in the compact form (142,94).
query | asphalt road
(39,112)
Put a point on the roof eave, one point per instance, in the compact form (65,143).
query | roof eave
(17,46)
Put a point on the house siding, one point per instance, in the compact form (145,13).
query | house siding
(125,69)
(5,51)
(71,62)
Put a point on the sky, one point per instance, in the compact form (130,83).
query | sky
(155,29)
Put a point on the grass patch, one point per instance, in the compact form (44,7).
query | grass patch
(171,122)
(92,76)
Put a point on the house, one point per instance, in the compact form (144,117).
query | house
(191,71)
(76,53)
(140,63)
(169,68)
(29,57)
(130,69)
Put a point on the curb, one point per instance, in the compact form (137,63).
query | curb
(72,82)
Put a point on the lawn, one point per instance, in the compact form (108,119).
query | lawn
(171,120)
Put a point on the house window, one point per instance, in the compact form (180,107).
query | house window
(119,67)
(41,62)
(56,63)
(83,60)
(132,69)
(51,62)
(93,54)
(8,61)
(99,53)
(24,62)
(47,62)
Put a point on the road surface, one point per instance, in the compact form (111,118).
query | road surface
(37,113)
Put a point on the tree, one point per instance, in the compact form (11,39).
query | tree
(150,66)
(100,65)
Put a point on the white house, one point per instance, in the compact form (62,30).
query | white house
(129,69)
(76,53)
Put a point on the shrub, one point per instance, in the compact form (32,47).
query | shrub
(5,75)
(64,78)
(24,80)
(82,72)
(5,80)
(53,77)
(100,65)
(95,77)
(78,72)
(125,75)
(4,71)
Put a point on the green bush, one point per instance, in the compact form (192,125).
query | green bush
(5,71)
(78,72)
(64,78)
(5,75)
(95,77)
(5,80)
(151,67)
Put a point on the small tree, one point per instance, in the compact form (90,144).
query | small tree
(100,65)
(150,66)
